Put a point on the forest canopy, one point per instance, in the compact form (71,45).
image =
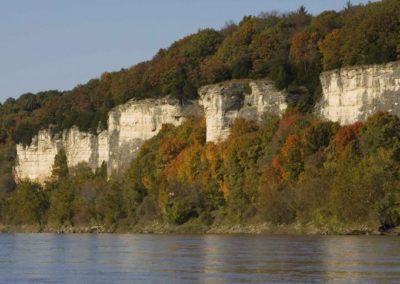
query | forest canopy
(291,49)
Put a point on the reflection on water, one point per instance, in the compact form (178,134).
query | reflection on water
(47,258)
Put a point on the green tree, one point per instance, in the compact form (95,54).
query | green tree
(381,130)
(389,210)
(27,205)
(330,48)
(61,209)
(60,166)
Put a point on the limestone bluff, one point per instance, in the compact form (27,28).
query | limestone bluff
(130,124)
(349,94)
(354,93)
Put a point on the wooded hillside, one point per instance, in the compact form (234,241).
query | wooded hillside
(283,171)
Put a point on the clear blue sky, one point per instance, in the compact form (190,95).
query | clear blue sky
(49,44)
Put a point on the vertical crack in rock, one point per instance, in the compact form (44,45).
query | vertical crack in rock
(349,94)
(225,102)
(354,93)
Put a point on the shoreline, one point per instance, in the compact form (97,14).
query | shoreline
(159,228)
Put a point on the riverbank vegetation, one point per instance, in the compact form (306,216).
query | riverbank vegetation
(296,170)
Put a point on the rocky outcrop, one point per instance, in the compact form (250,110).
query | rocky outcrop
(354,93)
(35,162)
(225,102)
(349,95)
(131,124)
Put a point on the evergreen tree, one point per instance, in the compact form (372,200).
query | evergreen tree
(60,166)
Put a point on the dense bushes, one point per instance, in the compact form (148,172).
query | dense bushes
(294,170)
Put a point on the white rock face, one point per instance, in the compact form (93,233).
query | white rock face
(82,147)
(354,93)
(225,102)
(129,125)
(35,162)
(349,95)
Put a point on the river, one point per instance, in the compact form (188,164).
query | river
(50,258)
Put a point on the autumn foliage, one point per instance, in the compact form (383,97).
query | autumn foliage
(298,169)
(347,135)
(283,170)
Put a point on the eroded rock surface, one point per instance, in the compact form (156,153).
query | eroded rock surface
(354,93)
(131,124)
(35,162)
(225,102)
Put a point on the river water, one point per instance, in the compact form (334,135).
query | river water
(50,258)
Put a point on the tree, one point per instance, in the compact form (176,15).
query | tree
(203,44)
(347,135)
(28,205)
(398,47)
(389,210)
(60,166)
(318,135)
(381,130)
(183,203)
(349,5)
(360,184)
(301,18)
(61,209)
(263,47)
(213,70)
(330,49)
(326,22)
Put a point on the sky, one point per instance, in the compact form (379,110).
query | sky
(54,44)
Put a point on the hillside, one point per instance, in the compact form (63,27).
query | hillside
(291,49)
(295,170)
